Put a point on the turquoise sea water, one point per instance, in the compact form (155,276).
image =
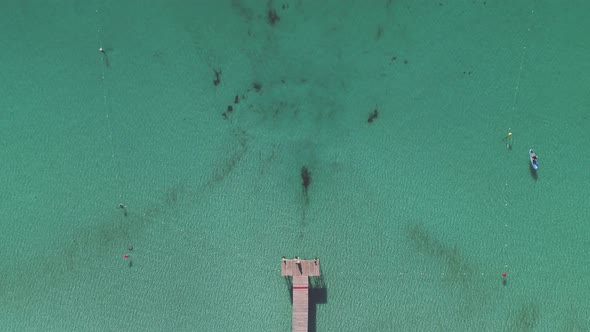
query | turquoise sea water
(414,216)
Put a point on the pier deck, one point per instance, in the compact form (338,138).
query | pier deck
(307,268)
(300,270)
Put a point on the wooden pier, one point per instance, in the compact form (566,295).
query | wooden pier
(300,270)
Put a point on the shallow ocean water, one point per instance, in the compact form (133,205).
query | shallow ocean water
(414,216)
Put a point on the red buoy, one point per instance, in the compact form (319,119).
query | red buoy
(126,256)
(504,274)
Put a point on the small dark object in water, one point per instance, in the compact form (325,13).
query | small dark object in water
(373,116)
(273,17)
(379,32)
(130,263)
(306,178)
(230,108)
(130,247)
(236,99)
(123,207)
(257,86)
(217,79)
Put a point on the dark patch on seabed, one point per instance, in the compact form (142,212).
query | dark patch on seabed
(121,228)
(305,183)
(115,230)
(575,320)
(458,268)
(460,275)
(465,275)
(526,318)
(229,164)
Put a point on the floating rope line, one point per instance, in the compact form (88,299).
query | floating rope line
(517,88)
(519,76)
(508,140)
(104,64)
